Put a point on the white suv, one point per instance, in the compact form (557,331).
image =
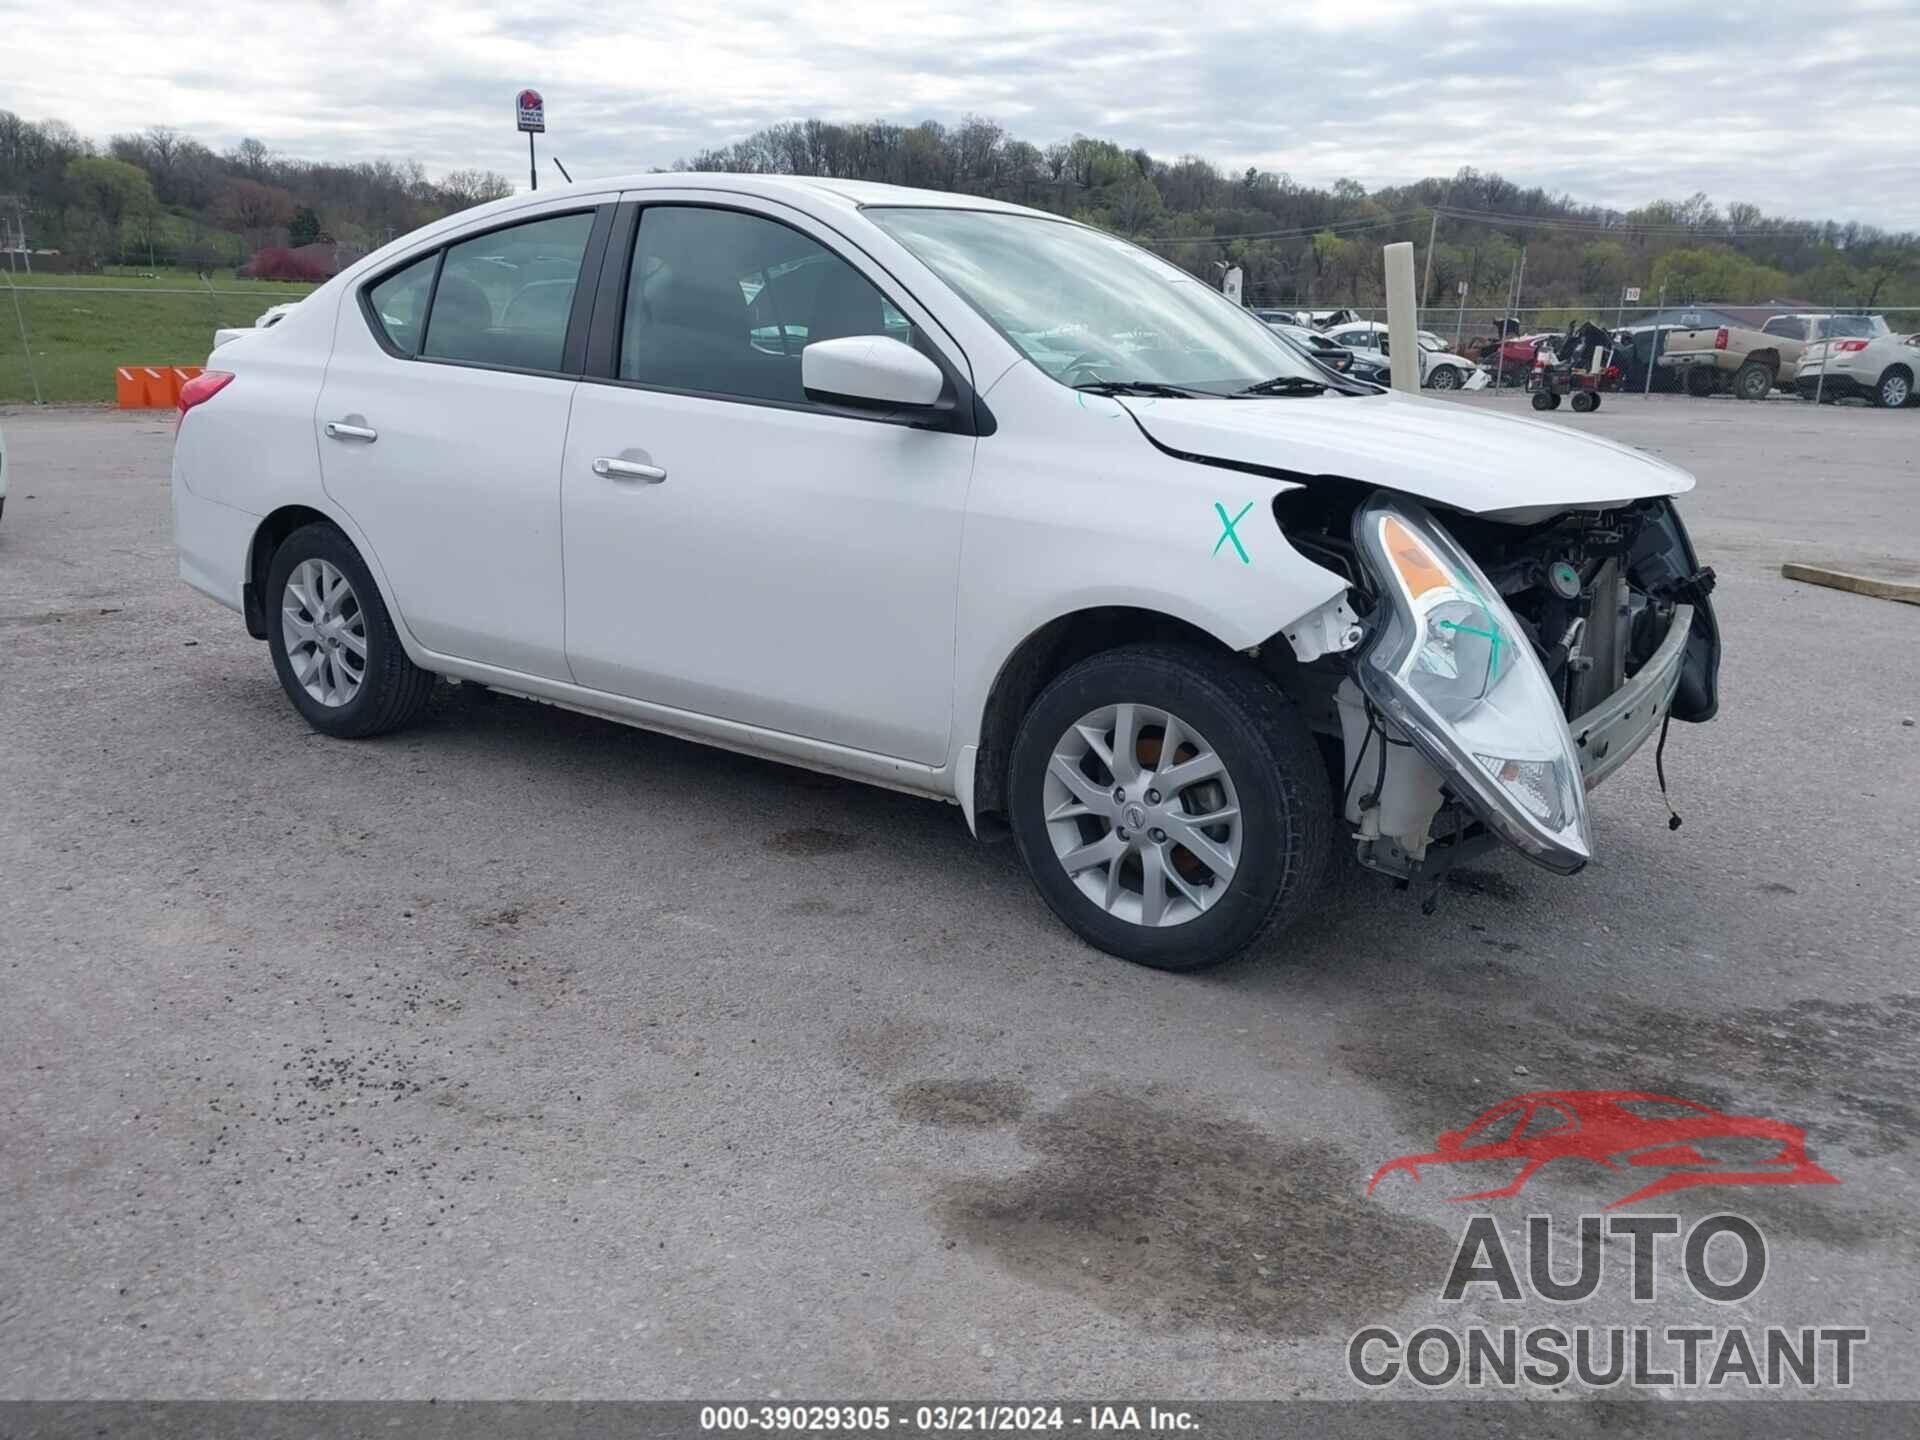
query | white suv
(958,498)
(1880,368)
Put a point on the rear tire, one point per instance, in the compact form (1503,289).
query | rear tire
(1584,401)
(1272,853)
(1753,381)
(1699,382)
(1894,390)
(334,646)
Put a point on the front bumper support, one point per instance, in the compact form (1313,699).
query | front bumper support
(1608,734)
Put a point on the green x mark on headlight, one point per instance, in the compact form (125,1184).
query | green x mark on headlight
(1452,667)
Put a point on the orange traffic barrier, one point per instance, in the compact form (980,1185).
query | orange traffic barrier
(146,387)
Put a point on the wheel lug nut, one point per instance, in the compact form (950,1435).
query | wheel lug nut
(1159,835)
(1123,832)
(1153,797)
(1119,795)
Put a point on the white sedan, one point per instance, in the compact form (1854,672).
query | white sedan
(1882,369)
(1440,368)
(957,498)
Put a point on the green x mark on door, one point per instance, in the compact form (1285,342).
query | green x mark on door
(1228,533)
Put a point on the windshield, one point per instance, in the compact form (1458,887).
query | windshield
(1087,308)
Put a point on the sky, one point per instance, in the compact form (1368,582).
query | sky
(1809,110)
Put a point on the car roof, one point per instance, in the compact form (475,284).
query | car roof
(856,194)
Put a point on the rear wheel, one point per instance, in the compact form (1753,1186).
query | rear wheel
(1584,401)
(1699,382)
(1169,804)
(334,646)
(1753,381)
(1895,389)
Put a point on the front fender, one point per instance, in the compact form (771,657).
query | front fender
(1072,508)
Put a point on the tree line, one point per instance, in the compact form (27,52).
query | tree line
(161,197)
(1305,245)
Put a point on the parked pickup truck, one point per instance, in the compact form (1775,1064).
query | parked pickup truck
(1751,363)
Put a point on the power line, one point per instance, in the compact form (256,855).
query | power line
(1337,227)
(1798,229)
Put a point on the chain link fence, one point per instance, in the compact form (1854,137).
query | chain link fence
(63,337)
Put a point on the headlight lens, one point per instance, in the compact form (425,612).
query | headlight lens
(1452,667)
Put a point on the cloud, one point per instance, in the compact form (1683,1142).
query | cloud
(1807,111)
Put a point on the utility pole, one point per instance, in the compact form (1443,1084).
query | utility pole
(1426,278)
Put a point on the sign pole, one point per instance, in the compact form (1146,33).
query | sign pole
(530,115)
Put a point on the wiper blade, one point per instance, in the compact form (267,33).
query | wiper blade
(1142,387)
(1285,385)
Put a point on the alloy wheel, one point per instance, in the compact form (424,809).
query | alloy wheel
(1895,391)
(325,632)
(1142,815)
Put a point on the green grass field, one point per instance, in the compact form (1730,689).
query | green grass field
(81,328)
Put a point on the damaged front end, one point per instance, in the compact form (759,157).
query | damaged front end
(1502,670)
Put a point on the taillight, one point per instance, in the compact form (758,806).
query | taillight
(1847,347)
(1720,338)
(200,389)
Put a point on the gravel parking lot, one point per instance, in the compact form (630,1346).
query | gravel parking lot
(527,1055)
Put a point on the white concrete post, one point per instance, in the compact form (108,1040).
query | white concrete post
(1403,328)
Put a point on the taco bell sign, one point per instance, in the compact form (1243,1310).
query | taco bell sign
(532,112)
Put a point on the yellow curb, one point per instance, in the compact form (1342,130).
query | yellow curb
(1858,584)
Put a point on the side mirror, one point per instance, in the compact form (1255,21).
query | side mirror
(873,371)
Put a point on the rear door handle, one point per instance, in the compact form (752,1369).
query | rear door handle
(340,430)
(612,469)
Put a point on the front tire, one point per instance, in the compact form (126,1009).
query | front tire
(1170,804)
(1445,377)
(334,646)
(1699,382)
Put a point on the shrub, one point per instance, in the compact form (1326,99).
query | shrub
(278,263)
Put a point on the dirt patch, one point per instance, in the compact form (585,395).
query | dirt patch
(880,1051)
(812,840)
(962,1104)
(1490,883)
(1174,1216)
(1849,1072)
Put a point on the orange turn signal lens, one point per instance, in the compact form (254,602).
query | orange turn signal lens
(1419,568)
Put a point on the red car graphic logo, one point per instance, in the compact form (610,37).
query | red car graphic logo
(1693,1144)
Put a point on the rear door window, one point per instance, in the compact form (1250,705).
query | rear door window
(504,298)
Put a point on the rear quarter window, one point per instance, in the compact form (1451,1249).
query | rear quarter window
(399,305)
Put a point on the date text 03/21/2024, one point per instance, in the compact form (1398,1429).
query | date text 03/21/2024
(941,1419)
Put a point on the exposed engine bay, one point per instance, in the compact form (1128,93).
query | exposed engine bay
(1613,605)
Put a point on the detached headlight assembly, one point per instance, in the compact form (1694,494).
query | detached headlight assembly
(1452,667)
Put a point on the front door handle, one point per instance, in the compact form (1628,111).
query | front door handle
(341,430)
(612,469)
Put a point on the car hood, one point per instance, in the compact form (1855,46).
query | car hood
(1450,454)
